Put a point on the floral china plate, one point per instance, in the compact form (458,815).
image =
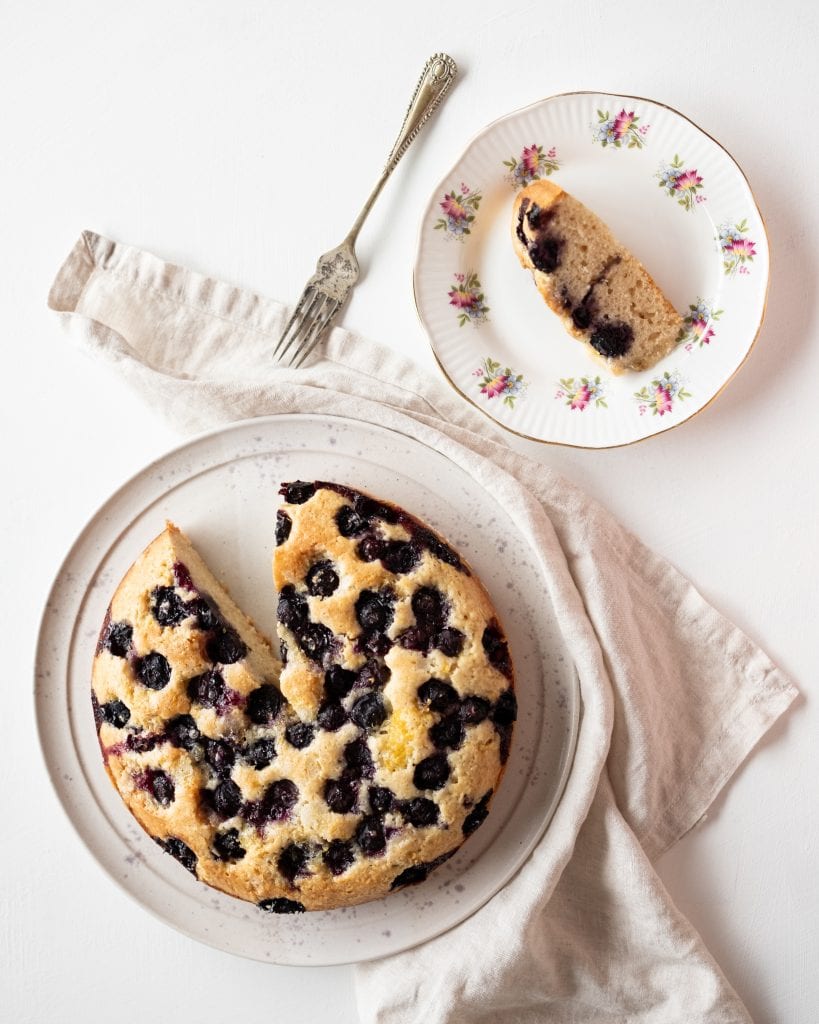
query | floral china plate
(668,191)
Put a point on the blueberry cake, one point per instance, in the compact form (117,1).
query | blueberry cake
(348,766)
(602,293)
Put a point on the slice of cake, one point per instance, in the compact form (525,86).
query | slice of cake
(351,769)
(184,691)
(603,294)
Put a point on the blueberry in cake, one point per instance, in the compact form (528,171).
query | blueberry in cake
(351,765)
(602,293)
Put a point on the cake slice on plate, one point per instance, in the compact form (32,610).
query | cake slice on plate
(185,697)
(602,293)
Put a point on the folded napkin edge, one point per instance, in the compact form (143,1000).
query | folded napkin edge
(724,756)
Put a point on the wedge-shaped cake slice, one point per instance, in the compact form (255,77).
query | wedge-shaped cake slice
(189,714)
(602,293)
(353,768)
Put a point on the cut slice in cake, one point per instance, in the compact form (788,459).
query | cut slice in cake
(602,293)
(186,703)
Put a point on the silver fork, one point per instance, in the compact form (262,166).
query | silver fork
(337,270)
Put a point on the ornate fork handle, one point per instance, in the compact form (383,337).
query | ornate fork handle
(438,74)
(337,270)
(436,78)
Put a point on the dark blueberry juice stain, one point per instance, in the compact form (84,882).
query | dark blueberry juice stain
(611,339)
(153,671)
(477,815)
(322,579)
(338,856)
(545,251)
(284,524)
(292,861)
(581,317)
(538,218)
(226,845)
(298,492)
(280,905)
(300,734)
(167,606)
(182,577)
(179,851)
(264,704)
(118,639)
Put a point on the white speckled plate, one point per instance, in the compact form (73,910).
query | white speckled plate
(222,489)
(668,191)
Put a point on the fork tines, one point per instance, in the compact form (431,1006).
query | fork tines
(305,327)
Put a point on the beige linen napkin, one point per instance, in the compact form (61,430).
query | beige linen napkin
(674,696)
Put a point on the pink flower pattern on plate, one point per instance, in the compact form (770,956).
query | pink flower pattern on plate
(660,395)
(581,392)
(622,130)
(468,298)
(681,183)
(532,164)
(459,209)
(496,382)
(698,325)
(737,249)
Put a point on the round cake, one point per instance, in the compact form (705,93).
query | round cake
(349,766)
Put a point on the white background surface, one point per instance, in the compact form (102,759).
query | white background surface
(240,140)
